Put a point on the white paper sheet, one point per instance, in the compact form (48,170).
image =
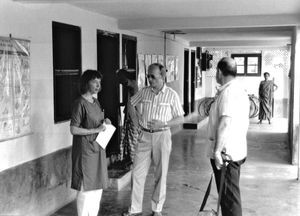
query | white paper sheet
(104,136)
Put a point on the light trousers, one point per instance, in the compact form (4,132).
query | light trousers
(88,202)
(154,147)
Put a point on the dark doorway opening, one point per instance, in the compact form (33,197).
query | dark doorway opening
(186,106)
(129,51)
(129,60)
(108,64)
(193,79)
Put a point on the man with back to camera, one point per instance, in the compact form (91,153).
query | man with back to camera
(227,131)
(160,109)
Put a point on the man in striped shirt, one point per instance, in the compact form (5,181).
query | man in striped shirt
(158,108)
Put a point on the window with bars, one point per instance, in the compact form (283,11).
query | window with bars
(248,64)
(66,68)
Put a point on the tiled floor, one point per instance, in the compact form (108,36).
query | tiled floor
(268,182)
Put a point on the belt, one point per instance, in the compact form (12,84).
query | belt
(153,130)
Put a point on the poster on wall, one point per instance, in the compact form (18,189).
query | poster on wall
(176,68)
(170,68)
(154,59)
(198,76)
(148,60)
(14,88)
(142,71)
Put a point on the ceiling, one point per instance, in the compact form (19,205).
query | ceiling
(204,22)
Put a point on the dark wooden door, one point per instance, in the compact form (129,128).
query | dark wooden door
(186,106)
(108,64)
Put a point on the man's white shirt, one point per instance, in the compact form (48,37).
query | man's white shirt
(231,101)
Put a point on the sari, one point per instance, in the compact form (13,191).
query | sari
(266,89)
(130,129)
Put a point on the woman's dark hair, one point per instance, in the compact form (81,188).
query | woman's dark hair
(266,73)
(227,66)
(87,76)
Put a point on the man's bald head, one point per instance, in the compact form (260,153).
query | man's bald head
(228,66)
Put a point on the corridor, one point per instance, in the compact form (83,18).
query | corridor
(268,181)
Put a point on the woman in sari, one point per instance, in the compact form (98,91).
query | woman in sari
(130,128)
(266,89)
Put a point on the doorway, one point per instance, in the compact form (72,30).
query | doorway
(129,61)
(108,64)
(186,106)
(193,80)
(129,51)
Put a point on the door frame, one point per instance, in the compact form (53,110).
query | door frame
(186,82)
(112,148)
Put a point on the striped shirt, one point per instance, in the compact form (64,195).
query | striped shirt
(163,106)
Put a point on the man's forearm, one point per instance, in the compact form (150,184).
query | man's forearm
(222,134)
(175,121)
(83,131)
(137,112)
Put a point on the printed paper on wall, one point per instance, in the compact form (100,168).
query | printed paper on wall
(14,88)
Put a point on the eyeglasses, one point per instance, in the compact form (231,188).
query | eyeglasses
(151,76)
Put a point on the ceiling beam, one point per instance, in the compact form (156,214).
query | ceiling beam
(64,1)
(223,36)
(82,1)
(242,43)
(211,22)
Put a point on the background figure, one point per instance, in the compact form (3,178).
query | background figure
(161,109)
(130,127)
(266,90)
(227,131)
(89,168)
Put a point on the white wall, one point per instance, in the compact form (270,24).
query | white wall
(34,22)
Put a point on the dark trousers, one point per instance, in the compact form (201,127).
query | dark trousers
(230,199)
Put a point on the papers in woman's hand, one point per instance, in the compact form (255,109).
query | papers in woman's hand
(104,136)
